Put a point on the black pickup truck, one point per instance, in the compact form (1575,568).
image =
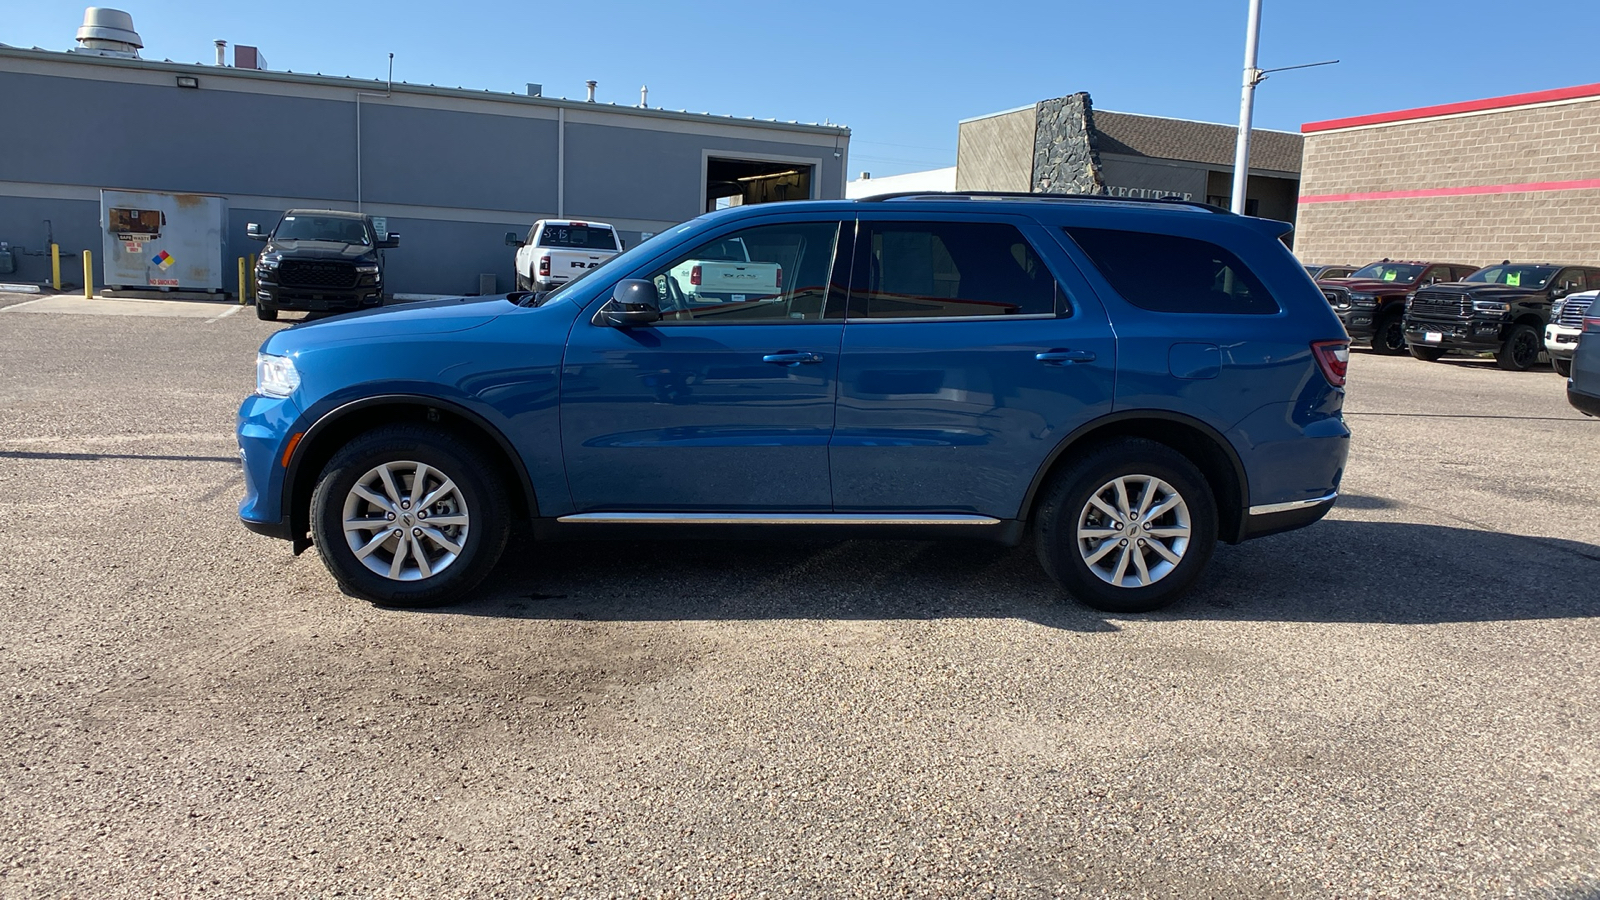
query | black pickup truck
(319,260)
(1371,301)
(1501,309)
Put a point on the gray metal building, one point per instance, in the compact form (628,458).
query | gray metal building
(453,170)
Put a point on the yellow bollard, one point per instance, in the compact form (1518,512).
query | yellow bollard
(241,281)
(88,275)
(55,267)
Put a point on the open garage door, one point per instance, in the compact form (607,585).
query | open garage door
(737,182)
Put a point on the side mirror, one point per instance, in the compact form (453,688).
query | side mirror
(512,240)
(253,231)
(390,242)
(633,302)
(1558,293)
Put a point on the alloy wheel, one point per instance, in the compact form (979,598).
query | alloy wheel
(405,520)
(1134,531)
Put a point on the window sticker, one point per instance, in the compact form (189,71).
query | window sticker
(1389,275)
(1514,279)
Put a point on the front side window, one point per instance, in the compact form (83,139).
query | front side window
(948,270)
(770,273)
(1170,274)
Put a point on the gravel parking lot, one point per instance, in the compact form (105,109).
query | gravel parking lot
(1402,701)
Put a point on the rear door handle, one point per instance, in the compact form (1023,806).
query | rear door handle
(792,358)
(1062,357)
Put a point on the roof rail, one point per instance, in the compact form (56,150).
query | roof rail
(1026,195)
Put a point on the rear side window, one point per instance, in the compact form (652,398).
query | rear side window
(578,237)
(919,270)
(1170,274)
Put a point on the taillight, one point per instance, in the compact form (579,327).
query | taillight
(780,278)
(544,265)
(1591,324)
(694,275)
(1333,358)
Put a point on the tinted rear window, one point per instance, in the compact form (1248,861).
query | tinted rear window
(1170,274)
(579,238)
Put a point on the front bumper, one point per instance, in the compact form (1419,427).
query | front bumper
(265,427)
(1561,341)
(368,292)
(1466,335)
(1359,322)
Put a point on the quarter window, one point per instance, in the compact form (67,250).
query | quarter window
(948,270)
(1171,274)
(771,273)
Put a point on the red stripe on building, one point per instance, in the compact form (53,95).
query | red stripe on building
(1586,184)
(1428,112)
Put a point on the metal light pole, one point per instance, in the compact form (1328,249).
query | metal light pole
(1247,102)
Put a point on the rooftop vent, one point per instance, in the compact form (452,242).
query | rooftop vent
(535,90)
(108,32)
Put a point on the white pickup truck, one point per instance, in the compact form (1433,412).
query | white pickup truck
(727,275)
(558,250)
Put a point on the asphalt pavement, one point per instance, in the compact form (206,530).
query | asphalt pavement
(1401,701)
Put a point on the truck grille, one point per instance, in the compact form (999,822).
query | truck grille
(1441,305)
(1572,312)
(307,273)
(1338,297)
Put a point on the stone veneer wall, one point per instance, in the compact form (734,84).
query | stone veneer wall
(1477,175)
(1065,160)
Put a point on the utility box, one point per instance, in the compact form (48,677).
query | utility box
(163,241)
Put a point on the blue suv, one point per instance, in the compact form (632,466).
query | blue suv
(1135,380)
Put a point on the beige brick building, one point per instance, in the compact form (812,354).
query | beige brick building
(1506,178)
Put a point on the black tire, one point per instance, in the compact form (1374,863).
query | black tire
(477,501)
(1426,354)
(1521,350)
(1389,335)
(1563,367)
(1065,505)
(266,312)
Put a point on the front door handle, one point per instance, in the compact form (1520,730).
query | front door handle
(792,358)
(1062,357)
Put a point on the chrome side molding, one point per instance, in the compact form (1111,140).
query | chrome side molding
(1292,505)
(662,518)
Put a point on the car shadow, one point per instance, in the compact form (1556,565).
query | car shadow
(1338,571)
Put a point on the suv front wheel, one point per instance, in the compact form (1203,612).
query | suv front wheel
(407,516)
(1127,528)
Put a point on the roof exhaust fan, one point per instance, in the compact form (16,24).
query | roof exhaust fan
(108,32)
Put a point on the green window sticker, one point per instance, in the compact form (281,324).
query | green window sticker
(1389,275)
(1514,279)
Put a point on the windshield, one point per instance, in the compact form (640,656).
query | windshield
(302,227)
(1396,272)
(1513,276)
(578,237)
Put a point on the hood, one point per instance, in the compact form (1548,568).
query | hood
(1485,291)
(1368,285)
(405,320)
(320,249)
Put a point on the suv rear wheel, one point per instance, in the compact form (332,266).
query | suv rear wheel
(408,516)
(1127,528)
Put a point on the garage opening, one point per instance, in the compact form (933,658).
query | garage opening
(738,182)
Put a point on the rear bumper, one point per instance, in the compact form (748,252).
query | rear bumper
(1588,404)
(1280,517)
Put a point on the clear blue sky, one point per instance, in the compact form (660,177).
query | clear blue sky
(901,75)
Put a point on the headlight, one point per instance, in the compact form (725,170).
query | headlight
(1556,307)
(1363,300)
(269,262)
(369,269)
(1491,306)
(275,375)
